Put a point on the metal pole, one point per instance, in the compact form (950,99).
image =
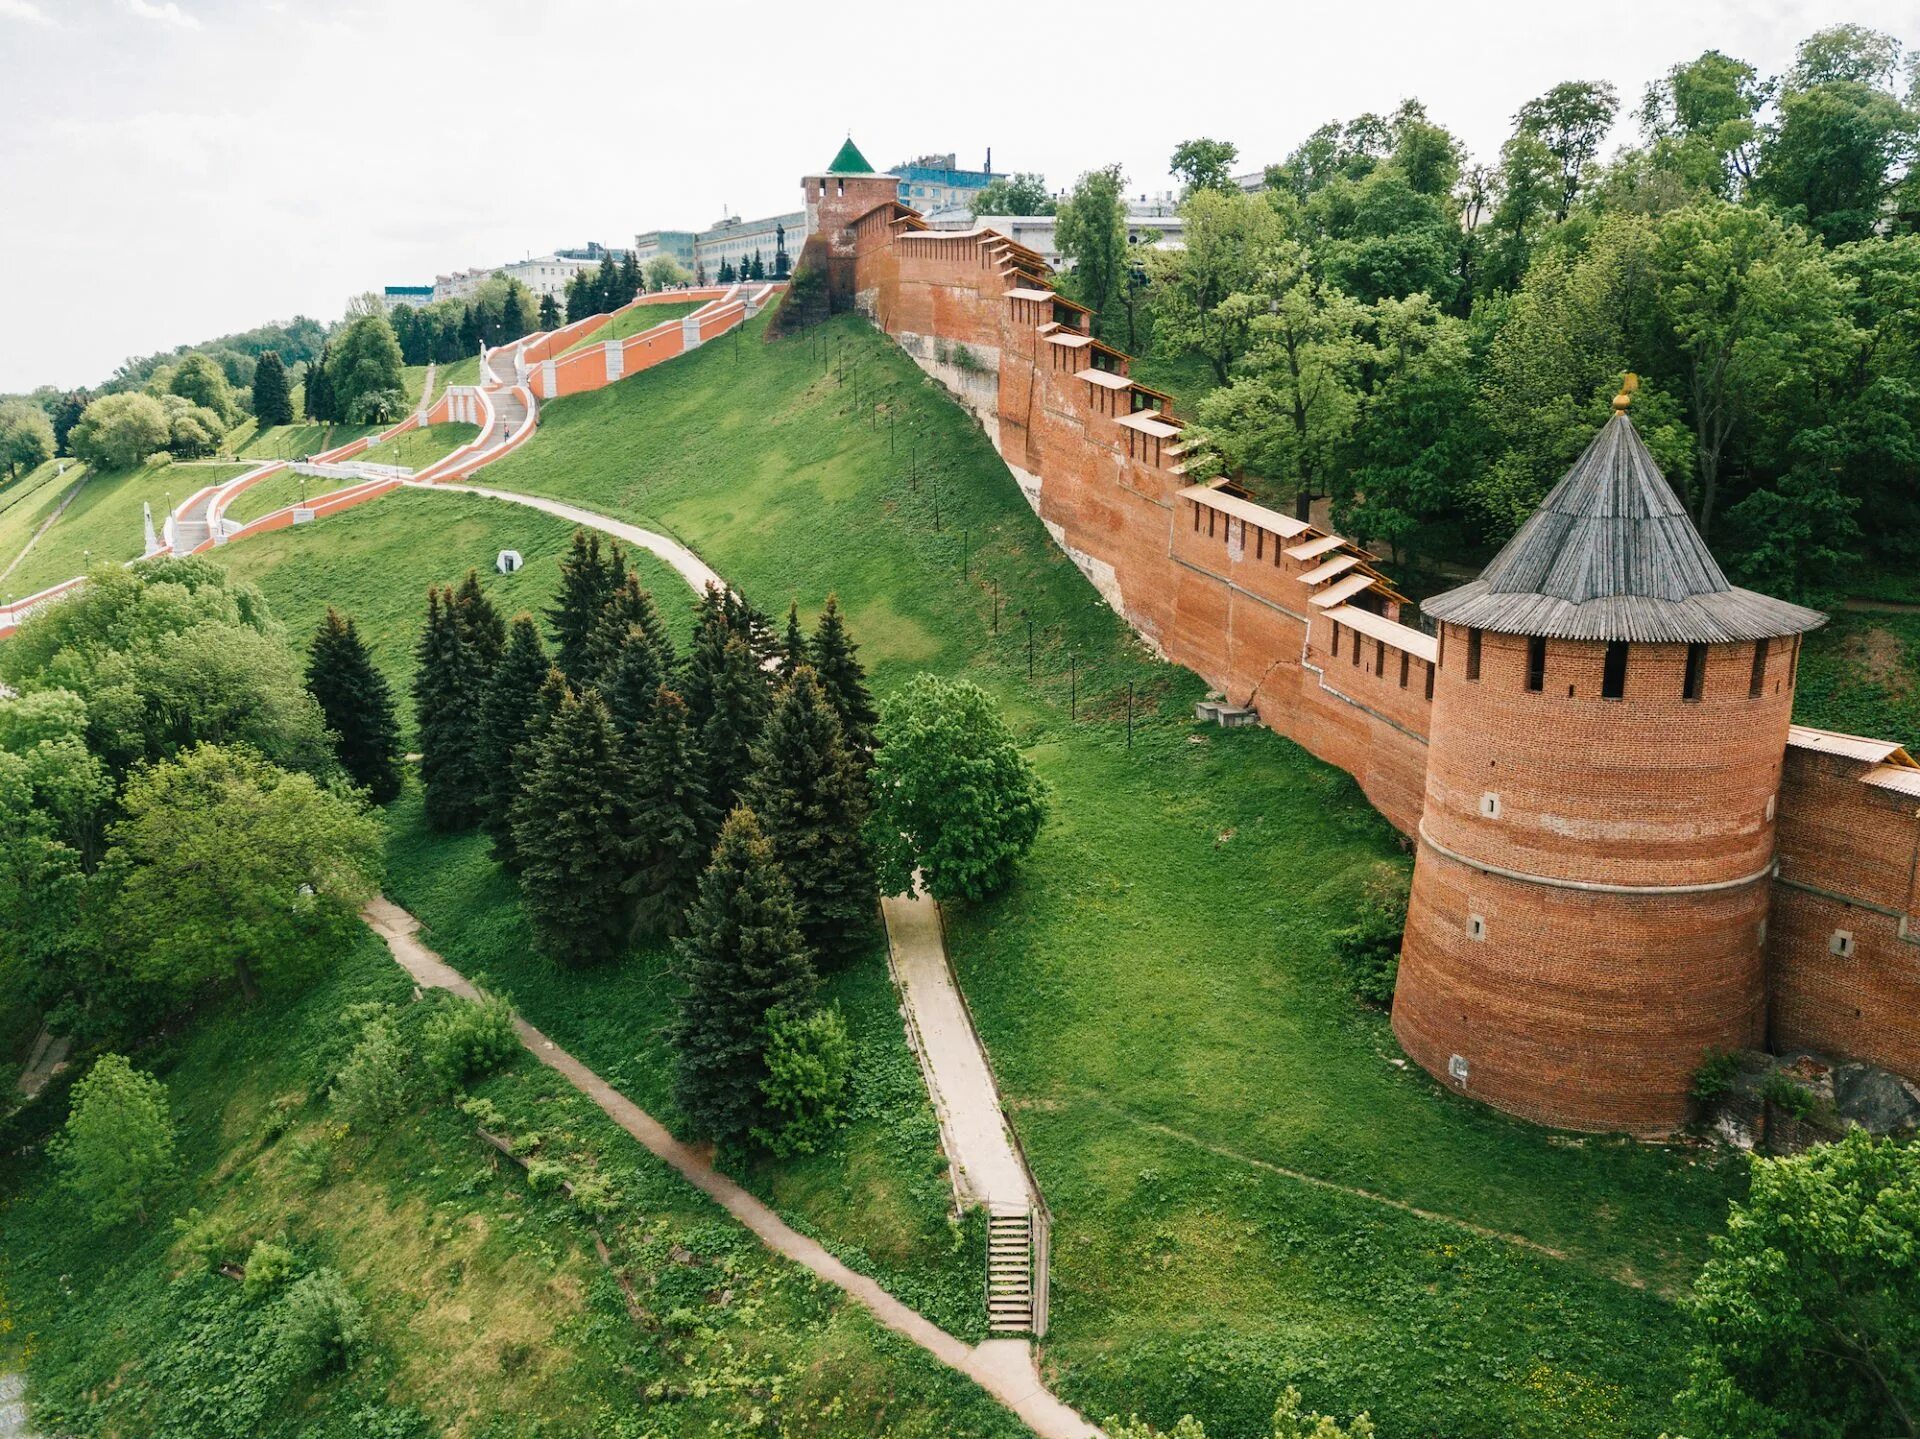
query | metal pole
(1129,714)
(1029,617)
(966,554)
(996,607)
(936,509)
(1073,684)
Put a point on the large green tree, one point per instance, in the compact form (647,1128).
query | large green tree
(1091,231)
(1022,194)
(364,374)
(741,958)
(1571,120)
(230,867)
(272,395)
(1207,292)
(672,826)
(116,1151)
(955,802)
(508,712)
(1204,164)
(1807,1316)
(118,431)
(26,436)
(449,684)
(836,660)
(588,579)
(358,705)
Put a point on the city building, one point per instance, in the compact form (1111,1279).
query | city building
(936,186)
(394,296)
(1145,229)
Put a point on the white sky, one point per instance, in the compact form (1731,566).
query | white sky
(171,170)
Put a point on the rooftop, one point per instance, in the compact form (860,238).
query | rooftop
(1611,554)
(849,161)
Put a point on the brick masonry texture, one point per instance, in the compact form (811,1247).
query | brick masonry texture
(1570,1003)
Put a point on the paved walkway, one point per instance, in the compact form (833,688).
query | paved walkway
(1004,1368)
(694,570)
(13,1408)
(987,1168)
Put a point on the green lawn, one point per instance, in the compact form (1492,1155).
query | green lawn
(103,524)
(459,372)
(289,442)
(1157,991)
(488,1313)
(26,504)
(1861,674)
(416,449)
(632,322)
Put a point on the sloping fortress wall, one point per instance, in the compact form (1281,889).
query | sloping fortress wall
(1616,871)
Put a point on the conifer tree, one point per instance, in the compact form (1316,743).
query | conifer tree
(318,398)
(549,313)
(794,653)
(836,660)
(570,836)
(586,582)
(447,688)
(742,956)
(508,712)
(810,796)
(731,724)
(629,683)
(628,609)
(631,283)
(272,398)
(480,623)
(358,705)
(554,691)
(673,825)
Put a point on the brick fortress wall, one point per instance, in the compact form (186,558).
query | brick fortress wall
(1298,624)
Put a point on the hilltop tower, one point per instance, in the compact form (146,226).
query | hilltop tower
(847,189)
(1590,895)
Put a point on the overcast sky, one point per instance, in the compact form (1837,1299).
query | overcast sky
(171,170)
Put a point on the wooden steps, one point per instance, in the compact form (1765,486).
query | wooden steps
(1010,1271)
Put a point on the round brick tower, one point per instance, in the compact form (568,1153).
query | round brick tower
(1590,893)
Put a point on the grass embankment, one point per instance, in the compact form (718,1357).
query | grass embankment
(633,321)
(1157,991)
(459,372)
(880,1199)
(104,523)
(488,1312)
(290,442)
(27,503)
(414,449)
(1861,674)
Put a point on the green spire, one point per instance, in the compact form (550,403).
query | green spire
(850,161)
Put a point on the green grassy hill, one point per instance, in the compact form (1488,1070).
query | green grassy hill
(490,1312)
(415,449)
(1157,990)
(632,322)
(103,525)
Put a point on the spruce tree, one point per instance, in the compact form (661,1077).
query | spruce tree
(318,398)
(549,313)
(672,823)
(447,688)
(628,609)
(836,661)
(358,705)
(629,683)
(631,284)
(794,653)
(571,837)
(730,726)
(507,715)
(586,582)
(554,691)
(479,622)
(741,957)
(272,398)
(810,795)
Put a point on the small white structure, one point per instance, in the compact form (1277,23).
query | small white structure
(507,561)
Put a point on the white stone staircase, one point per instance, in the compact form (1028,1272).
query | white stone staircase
(1010,1271)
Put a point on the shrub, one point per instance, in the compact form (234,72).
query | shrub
(809,1060)
(372,1088)
(268,1266)
(1370,948)
(1288,1423)
(1716,1074)
(469,1039)
(117,1148)
(1783,1094)
(320,1324)
(209,1238)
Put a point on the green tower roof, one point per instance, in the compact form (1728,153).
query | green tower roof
(850,161)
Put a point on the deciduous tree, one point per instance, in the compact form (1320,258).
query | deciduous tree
(116,1151)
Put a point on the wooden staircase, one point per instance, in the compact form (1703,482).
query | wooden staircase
(1010,1266)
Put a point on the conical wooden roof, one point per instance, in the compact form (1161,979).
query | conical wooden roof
(1611,554)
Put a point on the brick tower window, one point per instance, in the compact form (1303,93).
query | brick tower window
(1696,678)
(1758,681)
(1613,673)
(1473,654)
(1537,663)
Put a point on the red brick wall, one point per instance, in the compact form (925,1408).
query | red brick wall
(1578,1007)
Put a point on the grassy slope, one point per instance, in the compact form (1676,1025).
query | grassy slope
(105,519)
(289,442)
(26,504)
(415,449)
(1164,961)
(459,372)
(632,322)
(1861,674)
(880,1199)
(489,1314)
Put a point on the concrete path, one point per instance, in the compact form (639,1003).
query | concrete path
(13,1408)
(694,570)
(987,1168)
(1004,1368)
(49,1057)
(43,527)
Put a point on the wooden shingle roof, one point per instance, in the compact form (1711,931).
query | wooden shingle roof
(1611,554)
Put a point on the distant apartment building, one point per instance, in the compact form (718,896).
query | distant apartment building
(541,274)
(1151,224)
(937,187)
(394,296)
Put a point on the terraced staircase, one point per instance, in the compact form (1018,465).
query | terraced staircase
(1010,1265)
